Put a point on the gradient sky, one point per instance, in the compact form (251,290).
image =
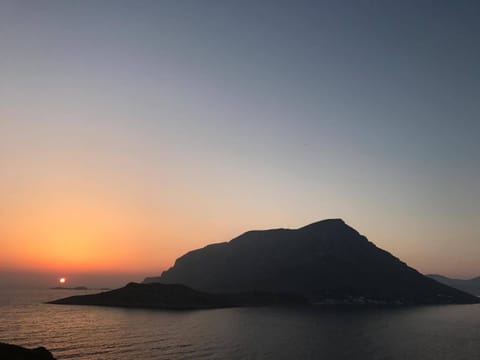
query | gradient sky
(134,131)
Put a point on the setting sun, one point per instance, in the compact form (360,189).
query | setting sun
(62,280)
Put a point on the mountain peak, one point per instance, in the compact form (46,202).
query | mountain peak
(334,228)
(324,223)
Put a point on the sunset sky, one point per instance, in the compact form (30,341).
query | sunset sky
(134,131)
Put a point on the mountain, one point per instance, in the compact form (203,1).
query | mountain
(176,297)
(471,286)
(15,352)
(326,260)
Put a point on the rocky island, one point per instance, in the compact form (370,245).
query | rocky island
(177,297)
(69,288)
(327,262)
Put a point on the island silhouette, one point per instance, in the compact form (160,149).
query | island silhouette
(327,262)
(178,297)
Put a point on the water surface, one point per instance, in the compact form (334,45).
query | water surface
(81,332)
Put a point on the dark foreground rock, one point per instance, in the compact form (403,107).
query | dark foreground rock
(15,352)
(177,297)
(327,261)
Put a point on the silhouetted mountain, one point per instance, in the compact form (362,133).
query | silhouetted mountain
(324,260)
(179,297)
(471,286)
(15,352)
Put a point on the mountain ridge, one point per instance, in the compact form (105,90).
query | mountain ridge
(325,259)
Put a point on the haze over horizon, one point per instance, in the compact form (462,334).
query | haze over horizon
(133,132)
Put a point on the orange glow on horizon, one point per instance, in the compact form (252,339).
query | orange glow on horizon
(76,232)
(62,280)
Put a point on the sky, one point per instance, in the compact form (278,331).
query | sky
(134,131)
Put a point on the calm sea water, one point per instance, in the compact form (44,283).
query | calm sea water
(78,332)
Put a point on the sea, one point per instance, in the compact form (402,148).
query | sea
(450,332)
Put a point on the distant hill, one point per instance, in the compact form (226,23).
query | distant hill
(324,260)
(471,286)
(176,297)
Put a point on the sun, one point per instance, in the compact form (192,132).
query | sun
(62,280)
